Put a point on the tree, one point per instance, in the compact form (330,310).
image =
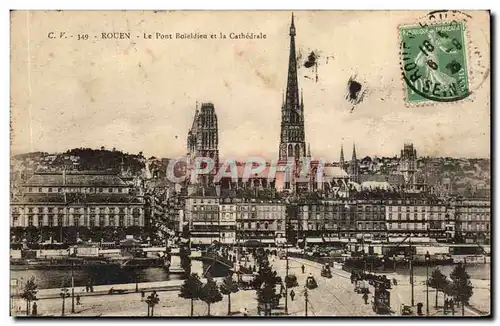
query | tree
(191,289)
(184,254)
(265,284)
(439,282)
(210,293)
(29,293)
(461,285)
(227,287)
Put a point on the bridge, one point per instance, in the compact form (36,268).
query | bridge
(215,259)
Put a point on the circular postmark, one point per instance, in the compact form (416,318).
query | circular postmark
(441,57)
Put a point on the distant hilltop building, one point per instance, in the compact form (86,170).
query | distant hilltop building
(413,179)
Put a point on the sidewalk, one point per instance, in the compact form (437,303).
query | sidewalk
(172,285)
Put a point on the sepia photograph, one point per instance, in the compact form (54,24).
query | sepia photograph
(238,164)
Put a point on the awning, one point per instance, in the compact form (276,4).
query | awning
(332,240)
(196,241)
(314,240)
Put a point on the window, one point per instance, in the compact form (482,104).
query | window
(59,189)
(266,225)
(120,190)
(30,210)
(101,222)
(50,189)
(257,225)
(40,190)
(50,210)
(30,189)
(92,221)
(30,220)
(100,190)
(110,189)
(40,222)
(51,222)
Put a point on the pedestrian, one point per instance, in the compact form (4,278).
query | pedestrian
(303,269)
(34,312)
(452,306)
(87,288)
(245,312)
(142,295)
(365,297)
(78,300)
(445,306)
(292,295)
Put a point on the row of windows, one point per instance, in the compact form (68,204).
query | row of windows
(417,208)
(257,225)
(88,190)
(407,226)
(481,217)
(476,227)
(55,210)
(81,221)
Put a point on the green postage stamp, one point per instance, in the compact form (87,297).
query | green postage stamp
(434,62)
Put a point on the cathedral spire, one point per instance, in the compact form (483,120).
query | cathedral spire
(354,159)
(292,138)
(292,87)
(342,160)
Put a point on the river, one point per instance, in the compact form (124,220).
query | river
(479,271)
(55,278)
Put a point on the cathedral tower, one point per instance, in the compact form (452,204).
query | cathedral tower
(354,168)
(342,160)
(203,139)
(292,138)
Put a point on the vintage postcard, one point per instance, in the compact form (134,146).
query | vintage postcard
(250,163)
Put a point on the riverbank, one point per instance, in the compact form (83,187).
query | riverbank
(101,293)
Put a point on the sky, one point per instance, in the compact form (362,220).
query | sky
(140,94)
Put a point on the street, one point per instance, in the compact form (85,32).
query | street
(332,297)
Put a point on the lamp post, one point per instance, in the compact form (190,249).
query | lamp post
(72,289)
(427,259)
(364,262)
(409,261)
(64,294)
(394,262)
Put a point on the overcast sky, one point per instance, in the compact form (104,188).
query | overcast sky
(140,95)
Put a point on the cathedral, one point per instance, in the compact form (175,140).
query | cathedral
(304,174)
(203,140)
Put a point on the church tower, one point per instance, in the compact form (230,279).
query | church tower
(342,160)
(203,139)
(354,169)
(292,138)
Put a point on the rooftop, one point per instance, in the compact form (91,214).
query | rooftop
(75,179)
